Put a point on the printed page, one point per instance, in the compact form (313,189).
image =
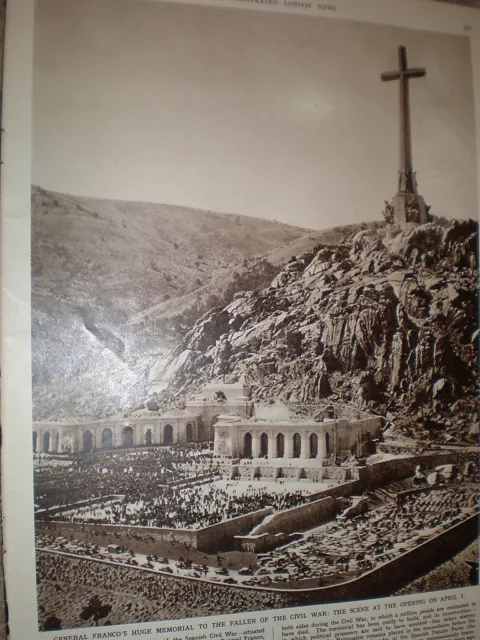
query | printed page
(240,332)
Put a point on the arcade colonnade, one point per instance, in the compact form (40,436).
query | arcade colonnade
(194,423)
(296,439)
(84,438)
(270,444)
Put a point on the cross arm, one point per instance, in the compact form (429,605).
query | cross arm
(390,75)
(416,73)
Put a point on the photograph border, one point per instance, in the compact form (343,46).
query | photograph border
(16,387)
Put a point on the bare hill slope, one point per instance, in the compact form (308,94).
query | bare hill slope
(115,282)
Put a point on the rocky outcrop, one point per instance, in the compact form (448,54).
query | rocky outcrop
(386,323)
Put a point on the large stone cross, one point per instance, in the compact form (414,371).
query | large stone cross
(407,198)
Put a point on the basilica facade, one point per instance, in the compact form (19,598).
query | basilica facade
(223,413)
(280,440)
(193,423)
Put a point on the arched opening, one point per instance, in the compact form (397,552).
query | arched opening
(327,444)
(263,445)
(168,434)
(148,437)
(127,437)
(46,442)
(280,445)
(87,440)
(247,445)
(297,445)
(313,445)
(34,441)
(107,439)
(189,433)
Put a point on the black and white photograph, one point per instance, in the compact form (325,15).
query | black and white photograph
(254,312)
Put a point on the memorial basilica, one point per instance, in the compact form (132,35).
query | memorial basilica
(225,414)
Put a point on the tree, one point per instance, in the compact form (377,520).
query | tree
(52,623)
(95,609)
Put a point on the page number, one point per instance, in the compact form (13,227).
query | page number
(467,27)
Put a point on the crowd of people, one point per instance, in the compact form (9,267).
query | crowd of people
(346,548)
(340,550)
(133,473)
(184,507)
(171,487)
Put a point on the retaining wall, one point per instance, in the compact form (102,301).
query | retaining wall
(263,542)
(381,473)
(303,517)
(77,505)
(221,536)
(214,538)
(382,581)
(144,536)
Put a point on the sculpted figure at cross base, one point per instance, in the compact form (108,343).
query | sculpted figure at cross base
(388,212)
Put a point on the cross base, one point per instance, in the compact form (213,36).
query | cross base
(407,210)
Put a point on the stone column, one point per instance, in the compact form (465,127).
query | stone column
(305,450)
(272,453)
(321,445)
(288,445)
(116,436)
(255,445)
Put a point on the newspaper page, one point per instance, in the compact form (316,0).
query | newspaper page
(239,341)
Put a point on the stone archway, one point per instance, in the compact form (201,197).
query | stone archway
(313,445)
(46,442)
(247,445)
(189,433)
(148,438)
(34,441)
(127,437)
(297,445)
(107,439)
(280,445)
(263,445)
(87,441)
(168,434)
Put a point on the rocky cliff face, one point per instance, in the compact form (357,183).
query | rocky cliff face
(385,323)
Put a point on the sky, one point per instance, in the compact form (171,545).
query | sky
(274,115)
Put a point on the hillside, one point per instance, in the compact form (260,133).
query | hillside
(115,285)
(387,324)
